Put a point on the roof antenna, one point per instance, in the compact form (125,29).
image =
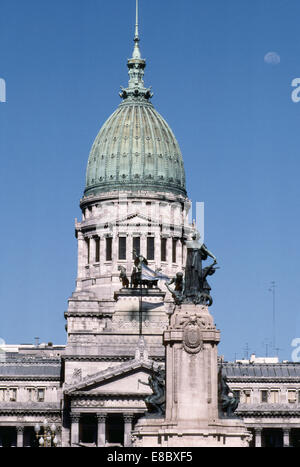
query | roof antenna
(272,289)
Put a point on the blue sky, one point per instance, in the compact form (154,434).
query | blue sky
(232,114)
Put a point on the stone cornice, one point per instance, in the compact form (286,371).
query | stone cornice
(27,409)
(109,395)
(29,362)
(268,410)
(29,412)
(29,378)
(90,314)
(146,195)
(266,413)
(263,379)
(97,358)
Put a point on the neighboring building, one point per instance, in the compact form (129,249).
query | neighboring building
(30,391)
(269,396)
(93,388)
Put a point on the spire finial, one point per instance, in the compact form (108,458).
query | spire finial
(136,65)
(137,20)
(136,50)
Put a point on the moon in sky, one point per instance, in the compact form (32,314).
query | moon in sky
(272,58)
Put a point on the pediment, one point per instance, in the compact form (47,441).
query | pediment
(121,379)
(135,219)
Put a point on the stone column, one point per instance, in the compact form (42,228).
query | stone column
(20,433)
(257,432)
(92,250)
(179,252)
(81,263)
(286,437)
(58,435)
(128,417)
(157,250)
(101,417)
(75,418)
(115,250)
(102,253)
(129,253)
(143,245)
(169,254)
(184,255)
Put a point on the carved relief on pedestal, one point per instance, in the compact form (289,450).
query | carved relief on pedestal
(192,336)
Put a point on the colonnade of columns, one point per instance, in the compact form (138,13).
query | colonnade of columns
(258,437)
(18,440)
(101,429)
(87,251)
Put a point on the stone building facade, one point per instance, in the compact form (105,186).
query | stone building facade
(30,392)
(269,396)
(93,389)
(102,409)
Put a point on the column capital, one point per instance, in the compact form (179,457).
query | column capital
(75,417)
(258,429)
(101,417)
(128,417)
(20,429)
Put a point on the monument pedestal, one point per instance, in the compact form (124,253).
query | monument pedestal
(192,409)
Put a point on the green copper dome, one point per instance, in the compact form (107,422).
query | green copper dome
(135,149)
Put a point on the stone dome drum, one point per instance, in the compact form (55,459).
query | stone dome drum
(135,150)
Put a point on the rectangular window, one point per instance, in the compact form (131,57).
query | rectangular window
(13,395)
(274,397)
(122,247)
(97,255)
(247,397)
(41,395)
(150,248)
(174,245)
(108,248)
(163,246)
(136,245)
(264,396)
(292,396)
